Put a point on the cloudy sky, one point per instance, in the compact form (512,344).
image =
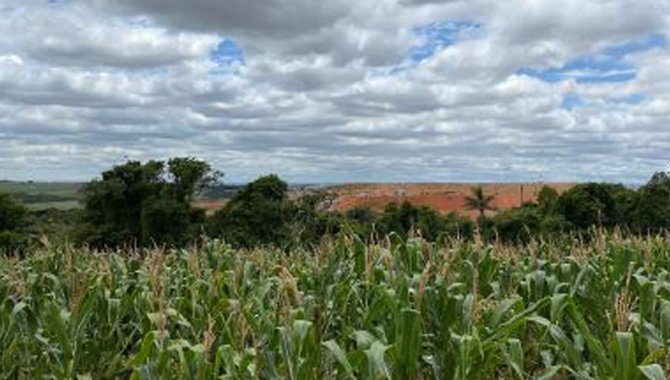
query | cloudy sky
(338,90)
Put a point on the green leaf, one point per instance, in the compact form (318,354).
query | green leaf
(376,363)
(514,357)
(18,308)
(340,356)
(364,339)
(626,358)
(409,344)
(148,343)
(653,372)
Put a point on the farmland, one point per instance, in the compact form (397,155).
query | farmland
(44,195)
(399,309)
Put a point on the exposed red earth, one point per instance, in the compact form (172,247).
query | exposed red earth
(443,197)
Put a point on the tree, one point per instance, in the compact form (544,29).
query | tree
(591,204)
(458,226)
(169,221)
(547,199)
(361,220)
(12,224)
(407,218)
(190,176)
(259,214)
(113,205)
(479,201)
(144,204)
(651,212)
(518,225)
(399,219)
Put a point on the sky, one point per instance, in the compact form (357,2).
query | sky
(338,90)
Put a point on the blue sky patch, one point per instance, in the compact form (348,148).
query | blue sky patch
(572,101)
(441,34)
(436,36)
(633,99)
(227,53)
(608,66)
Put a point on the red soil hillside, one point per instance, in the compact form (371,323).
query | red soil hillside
(444,197)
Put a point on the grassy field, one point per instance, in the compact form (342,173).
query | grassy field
(38,196)
(44,195)
(398,310)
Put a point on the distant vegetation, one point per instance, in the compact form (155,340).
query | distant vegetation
(151,204)
(44,195)
(138,283)
(145,204)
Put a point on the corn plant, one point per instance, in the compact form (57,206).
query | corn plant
(395,309)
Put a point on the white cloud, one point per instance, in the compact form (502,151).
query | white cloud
(327,91)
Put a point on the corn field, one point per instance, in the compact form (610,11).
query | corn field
(348,310)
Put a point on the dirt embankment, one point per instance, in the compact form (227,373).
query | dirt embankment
(443,197)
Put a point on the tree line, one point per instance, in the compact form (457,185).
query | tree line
(150,204)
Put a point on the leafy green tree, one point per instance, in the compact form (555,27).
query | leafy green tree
(362,221)
(479,201)
(547,199)
(113,205)
(519,225)
(591,204)
(190,176)
(399,219)
(13,218)
(145,203)
(429,223)
(458,226)
(259,214)
(553,225)
(626,201)
(407,218)
(166,220)
(651,212)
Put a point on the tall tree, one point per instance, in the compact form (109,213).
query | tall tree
(190,176)
(547,199)
(651,213)
(257,215)
(592,204)
(145,203)
(479,201)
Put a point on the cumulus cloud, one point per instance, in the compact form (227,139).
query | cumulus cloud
(338,90)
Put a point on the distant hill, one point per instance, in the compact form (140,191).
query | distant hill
(443,197)
(44,195)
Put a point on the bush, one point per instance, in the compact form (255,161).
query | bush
(458,226)
(13,243)
(519,225)
(13,219)
(258,215)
